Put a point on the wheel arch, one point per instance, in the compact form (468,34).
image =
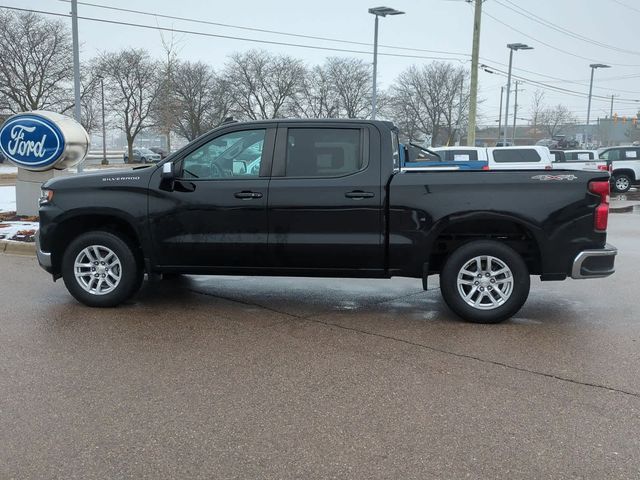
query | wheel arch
(80,222)
(625,171)
(454,231)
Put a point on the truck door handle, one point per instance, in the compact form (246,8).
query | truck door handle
(359,194)
(247,195)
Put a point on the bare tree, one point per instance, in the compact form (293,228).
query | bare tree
(431,94)
(405,119)
(201,98)
(352,80)
(455,103)
(318,97)
(131,85)
(166,109)
(36,62)
(555,118)
(261,85)
(536,110)
(90,100)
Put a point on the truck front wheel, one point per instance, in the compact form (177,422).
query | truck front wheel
(485,282)
(100,269)
(621,183)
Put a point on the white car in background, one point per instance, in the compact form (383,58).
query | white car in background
(527,157)
(624,165)
(577,160)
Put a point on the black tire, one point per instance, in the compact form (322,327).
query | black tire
(621,182)
(130,272)
(519,287)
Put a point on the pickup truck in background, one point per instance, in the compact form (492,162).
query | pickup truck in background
(480,158)
(326,198)
(624,165)
(577,160)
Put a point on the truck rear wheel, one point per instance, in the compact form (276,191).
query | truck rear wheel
(485,282)
(100,269)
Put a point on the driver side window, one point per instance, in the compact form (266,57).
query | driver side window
(233,155)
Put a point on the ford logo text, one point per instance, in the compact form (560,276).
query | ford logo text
(31,142)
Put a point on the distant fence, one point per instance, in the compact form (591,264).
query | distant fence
(111,154)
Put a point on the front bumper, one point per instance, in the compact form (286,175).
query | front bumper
(44,258)
(594,263)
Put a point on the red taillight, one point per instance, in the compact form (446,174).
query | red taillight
(485,167)
(601,215)
(603,167)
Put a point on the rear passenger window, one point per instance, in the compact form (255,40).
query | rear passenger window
(323,152)
(516,155)
(631,154)
(464,155)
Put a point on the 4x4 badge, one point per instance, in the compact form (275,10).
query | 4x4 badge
(546,178)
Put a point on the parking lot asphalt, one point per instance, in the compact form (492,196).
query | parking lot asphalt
(236,377)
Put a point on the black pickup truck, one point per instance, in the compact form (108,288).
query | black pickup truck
(324,198)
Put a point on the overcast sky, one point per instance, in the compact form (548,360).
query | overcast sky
(436,25)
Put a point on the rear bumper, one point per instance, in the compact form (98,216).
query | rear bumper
(44,258)
(594,263)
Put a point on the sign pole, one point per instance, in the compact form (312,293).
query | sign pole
(77,113)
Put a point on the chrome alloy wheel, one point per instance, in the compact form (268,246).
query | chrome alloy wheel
(485,282)
(622,184)
(97,269)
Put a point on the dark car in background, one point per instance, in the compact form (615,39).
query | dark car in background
(142,155)
(160,151)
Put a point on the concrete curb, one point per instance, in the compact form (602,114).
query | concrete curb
(18,248)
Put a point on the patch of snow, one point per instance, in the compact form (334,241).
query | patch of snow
(18,231)
(8,199)
(8,169)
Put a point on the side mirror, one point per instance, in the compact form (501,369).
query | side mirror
(167,171)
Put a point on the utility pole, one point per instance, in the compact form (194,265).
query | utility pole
(77,112)
(473,94)
(500,116)
(515,113)
(611,111)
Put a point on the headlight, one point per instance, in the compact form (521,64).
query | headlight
(45,196)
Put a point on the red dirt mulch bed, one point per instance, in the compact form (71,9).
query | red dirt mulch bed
(12,217)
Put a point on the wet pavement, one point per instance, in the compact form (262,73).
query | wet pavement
(235,377)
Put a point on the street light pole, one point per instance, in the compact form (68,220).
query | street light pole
(500,115)
(378,12)
(104,128)
(593,68)
(375,70)
(511,47)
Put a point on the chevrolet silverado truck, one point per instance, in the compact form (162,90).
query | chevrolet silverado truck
(324,198)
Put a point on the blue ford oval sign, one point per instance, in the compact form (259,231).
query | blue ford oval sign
(32,142)
(42,140)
